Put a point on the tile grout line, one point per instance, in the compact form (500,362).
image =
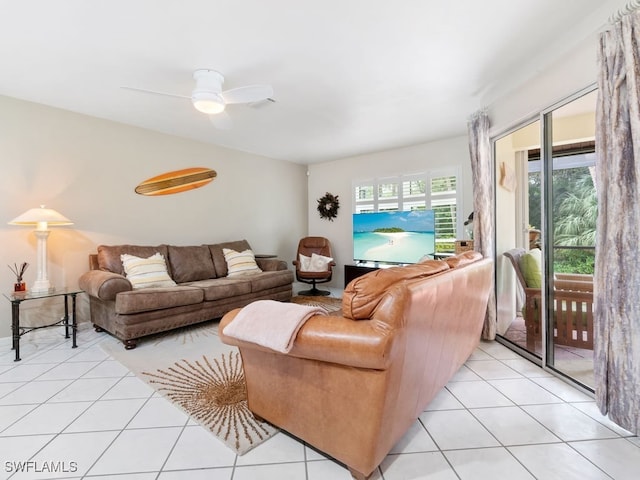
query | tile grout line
(562,441)
(38,405)
(122,429)
(58,434)
(182,430)
(530,416)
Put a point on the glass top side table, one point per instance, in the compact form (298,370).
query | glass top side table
(16,298)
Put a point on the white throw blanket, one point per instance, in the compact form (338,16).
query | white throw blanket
(270,323)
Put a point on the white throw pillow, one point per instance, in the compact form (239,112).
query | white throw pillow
(146,272)
(305,262)
(240,263)
(319,263)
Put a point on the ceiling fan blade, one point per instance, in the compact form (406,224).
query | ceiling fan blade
(153,92)
(222,121)
(250,93)
(261,103)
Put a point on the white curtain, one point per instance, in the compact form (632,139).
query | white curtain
(617,272)
(483,208)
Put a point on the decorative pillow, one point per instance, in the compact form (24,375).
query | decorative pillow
(319,263)
(531,266)
(305,263)
(219,263)
(146,272)
(240,263)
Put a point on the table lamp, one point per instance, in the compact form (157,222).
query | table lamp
(41,218)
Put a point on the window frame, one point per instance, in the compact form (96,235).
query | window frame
(375,203)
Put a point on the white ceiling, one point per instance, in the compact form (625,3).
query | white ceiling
(350,76)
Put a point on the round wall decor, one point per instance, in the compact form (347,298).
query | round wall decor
(328,206)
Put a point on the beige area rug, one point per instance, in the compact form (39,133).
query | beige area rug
(331,305)
(193,369)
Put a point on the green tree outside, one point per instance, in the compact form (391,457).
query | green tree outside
(574,211)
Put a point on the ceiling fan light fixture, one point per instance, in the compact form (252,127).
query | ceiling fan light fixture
(207,102)
(208,97)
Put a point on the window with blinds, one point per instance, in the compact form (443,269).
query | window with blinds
(437,190)
(444,202)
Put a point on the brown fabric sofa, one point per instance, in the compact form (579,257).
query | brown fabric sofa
(204,290)
(354,384)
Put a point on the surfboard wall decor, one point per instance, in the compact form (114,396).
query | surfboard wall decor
(176,181)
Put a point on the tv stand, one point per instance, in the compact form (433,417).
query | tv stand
(361,267)
(357,270)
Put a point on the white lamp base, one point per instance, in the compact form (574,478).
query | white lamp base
(41,286)
(42,283)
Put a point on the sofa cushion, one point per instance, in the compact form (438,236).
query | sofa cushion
(267,280)
(146,272)
(109,255)
(149,299)
(217,256)
(220,288)
(362,295)
(189,264)
(531,267)
(240,263)
(271,264)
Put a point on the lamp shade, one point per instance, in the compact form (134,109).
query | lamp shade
(41,217)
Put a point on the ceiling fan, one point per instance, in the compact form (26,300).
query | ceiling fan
(209,98)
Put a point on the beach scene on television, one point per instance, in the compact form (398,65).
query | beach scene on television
(393,237)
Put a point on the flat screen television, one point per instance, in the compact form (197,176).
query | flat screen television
(393,237)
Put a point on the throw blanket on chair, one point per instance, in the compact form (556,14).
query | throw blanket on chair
(270,323)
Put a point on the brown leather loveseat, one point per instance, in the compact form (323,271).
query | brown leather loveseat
(352,385)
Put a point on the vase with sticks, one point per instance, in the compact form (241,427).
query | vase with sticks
(20,285)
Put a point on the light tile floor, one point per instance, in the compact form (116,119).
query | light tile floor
(82,413)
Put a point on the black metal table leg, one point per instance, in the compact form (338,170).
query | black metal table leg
(16,298)
(15,328)
(66,317)
(74,327)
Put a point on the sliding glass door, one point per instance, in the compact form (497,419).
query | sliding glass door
(518,224)
(571,215)
(546,211)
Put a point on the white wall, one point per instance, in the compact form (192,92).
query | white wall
(87,169)
(572,73)
(337,177)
